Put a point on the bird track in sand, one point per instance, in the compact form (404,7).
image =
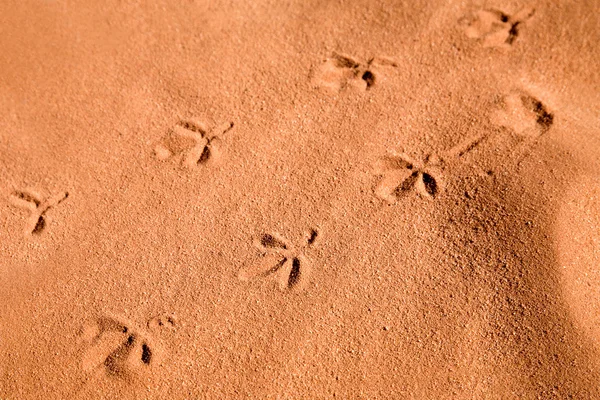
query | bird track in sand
(282,260)
(340,71)
(524,114)
(400,174)
(495,28)
(119,349)
(192,142)
(38,208)
(518,111)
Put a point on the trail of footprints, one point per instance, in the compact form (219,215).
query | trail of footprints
(117,348)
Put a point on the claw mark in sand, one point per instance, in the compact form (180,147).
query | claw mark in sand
(38,208)
(192,142)
(281,259)
(497,29)
(339,71)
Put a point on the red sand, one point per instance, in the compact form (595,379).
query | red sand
(299,199)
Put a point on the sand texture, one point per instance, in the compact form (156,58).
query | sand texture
(299,199)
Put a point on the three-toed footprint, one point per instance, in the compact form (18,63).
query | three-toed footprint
(192,142)
(340,71)
(119,349)
(400,175)
(38,208)
(280,259)
(495,28)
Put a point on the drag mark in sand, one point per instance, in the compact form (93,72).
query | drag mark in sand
(518,111)
(38,208)
(192,142)
(282,260)
(494,28)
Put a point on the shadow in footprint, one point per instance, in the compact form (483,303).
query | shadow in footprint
(122,360)
(544,118)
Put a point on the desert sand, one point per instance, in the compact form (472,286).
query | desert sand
(299,199)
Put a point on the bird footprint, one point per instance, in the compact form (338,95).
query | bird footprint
(524,114)
(497,29)
(38,208)
(192,142)
(339,71)
(402,175)
(282,260)
(120,349)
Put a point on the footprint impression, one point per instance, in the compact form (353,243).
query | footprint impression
(192,143)
(523,114)
(281,260)
(400,175)
(339,71)
(497,29)
(118,349)
(37,207)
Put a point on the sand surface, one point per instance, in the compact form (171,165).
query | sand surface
(299,199)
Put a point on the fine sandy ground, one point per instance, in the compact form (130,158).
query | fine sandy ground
(299,199)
